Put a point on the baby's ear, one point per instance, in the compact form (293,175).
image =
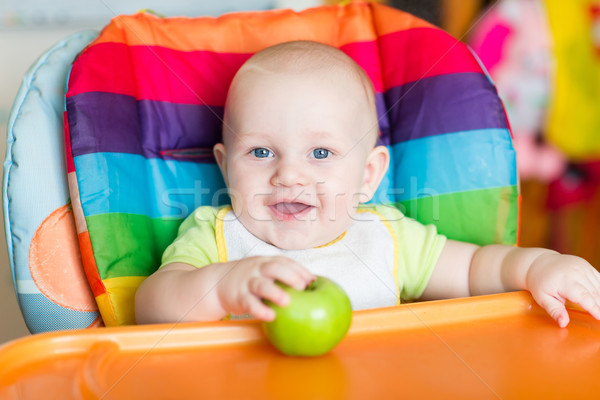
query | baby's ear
(220,154)
(377,164)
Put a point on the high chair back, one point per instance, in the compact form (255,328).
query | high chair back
(144,107)
(51,287)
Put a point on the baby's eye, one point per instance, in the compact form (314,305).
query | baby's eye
(321,153)
(262,153)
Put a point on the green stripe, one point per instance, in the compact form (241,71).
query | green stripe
(129,244)
(511,195)
(479,216)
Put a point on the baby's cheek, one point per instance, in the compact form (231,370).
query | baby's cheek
(243,191)
(343,206)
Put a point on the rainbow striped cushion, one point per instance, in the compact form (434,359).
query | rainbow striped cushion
(144,107)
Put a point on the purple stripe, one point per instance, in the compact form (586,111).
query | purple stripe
(109,122)
(383,117)
(443,104)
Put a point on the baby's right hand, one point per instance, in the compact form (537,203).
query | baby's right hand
(252,279)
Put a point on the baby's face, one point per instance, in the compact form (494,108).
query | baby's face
(294,157)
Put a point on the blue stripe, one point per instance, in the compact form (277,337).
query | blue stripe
(430,166)
(130,183)
(443,164)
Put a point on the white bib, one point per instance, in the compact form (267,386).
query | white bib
(361,262)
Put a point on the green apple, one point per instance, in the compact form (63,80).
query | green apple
(314,322)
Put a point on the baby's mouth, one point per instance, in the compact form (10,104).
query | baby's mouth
(290,210)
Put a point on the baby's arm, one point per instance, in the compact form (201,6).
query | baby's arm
(465,269)
(180,292)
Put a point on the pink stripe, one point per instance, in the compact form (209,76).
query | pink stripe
(104,68)
(68,153)
(366,54)
(203,77)
(158,73)
(155,73)
(411,55)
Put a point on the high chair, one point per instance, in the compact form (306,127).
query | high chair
(143,108)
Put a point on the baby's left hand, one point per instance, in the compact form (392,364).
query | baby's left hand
(554,278)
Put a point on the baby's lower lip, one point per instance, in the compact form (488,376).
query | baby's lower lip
(289,211)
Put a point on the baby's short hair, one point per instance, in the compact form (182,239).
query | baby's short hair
(302,56)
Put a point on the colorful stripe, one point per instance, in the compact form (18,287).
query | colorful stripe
(121,296)
(203,77)
(89,264)
(107,309)
(455,220)
(390,20)
(101,129)
(68,153)
(199,77)
(438,165)
(136,249)
(156,73)
(127,183)
(443,104)
(454,213)
(408,56)
(227,34)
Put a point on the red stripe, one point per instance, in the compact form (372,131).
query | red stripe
(68,152)
(158,73)
(414,54)
(102,67)
(366,54)
(155,73)
(203,77)
(89,264)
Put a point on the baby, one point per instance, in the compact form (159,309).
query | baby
(299,156)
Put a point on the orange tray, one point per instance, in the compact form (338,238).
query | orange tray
(501,346)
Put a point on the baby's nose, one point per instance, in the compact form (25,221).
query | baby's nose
(290,173)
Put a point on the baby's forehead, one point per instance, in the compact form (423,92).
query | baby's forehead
(319,84)
(260,72)
(326,74)
(300,55)
(303,58)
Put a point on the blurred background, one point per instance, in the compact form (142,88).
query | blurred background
(544,56)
